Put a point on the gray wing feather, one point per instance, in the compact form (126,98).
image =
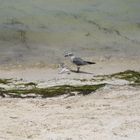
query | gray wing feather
(78,61)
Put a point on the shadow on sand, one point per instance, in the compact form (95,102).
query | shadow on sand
(81,72)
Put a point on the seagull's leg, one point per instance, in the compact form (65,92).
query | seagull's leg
(78,69)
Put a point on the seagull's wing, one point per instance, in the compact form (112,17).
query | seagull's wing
(78,61)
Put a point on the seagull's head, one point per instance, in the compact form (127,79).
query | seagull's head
(68,54)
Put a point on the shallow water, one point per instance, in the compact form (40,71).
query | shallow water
(40,31)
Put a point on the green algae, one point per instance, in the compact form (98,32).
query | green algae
(52,91)
(5,81)
(31,89)
(129,75)
(32,84)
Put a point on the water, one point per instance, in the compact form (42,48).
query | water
(40,31)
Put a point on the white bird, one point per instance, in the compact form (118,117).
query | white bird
(78,61)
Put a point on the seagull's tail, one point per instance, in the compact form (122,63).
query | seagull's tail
(88,62)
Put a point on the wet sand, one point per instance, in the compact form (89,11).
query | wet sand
(45,73)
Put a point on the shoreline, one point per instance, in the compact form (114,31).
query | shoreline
(102,67)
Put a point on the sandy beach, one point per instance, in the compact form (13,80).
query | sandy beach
(38,101)
(110,113)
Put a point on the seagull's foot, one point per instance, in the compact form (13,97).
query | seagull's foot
(78,69)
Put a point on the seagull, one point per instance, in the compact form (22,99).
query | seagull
(78,61)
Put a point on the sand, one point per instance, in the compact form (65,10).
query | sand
(34,35)
(111,113)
